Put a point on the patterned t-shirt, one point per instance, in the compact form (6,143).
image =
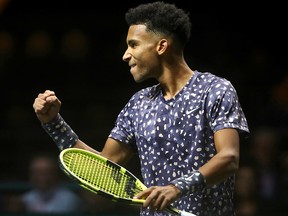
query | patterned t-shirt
(174,137)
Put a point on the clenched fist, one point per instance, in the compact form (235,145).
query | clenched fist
(46,106)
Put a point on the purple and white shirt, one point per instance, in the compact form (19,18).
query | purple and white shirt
(174,137)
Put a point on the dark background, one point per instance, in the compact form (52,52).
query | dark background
(244,43)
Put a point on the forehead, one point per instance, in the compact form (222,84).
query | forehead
(42,163)
(139,32)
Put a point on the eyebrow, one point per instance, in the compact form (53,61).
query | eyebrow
(129,42)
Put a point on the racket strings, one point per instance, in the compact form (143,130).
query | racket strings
(102,175)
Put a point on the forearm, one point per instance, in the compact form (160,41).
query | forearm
(80,144)
(226,162)
(220,167)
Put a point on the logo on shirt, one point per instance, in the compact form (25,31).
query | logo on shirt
(188,112)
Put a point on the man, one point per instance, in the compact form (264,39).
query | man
(47,195)
(185,128)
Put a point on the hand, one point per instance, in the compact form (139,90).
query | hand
(46,106)
(159,197)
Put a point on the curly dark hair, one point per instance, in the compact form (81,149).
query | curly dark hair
(163,18)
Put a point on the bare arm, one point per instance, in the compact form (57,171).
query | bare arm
(113,150)
(225,163)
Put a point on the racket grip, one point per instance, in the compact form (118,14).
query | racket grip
(183,213)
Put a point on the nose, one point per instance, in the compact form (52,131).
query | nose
(126,56)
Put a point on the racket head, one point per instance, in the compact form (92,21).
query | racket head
(100,175)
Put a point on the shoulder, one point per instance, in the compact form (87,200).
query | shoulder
(210,78)
(210,81)
(30,195)
(66,191)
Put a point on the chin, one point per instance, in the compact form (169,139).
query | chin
(139,80)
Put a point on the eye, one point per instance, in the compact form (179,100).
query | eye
(133,44)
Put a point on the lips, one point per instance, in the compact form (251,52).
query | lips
(132,66)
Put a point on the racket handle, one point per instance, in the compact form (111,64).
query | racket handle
(183,213)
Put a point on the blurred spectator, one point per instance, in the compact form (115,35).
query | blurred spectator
(47,194)
(280,104)
(265,143)
(246,200)
(274,107)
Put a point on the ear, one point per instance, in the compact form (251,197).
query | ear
(162,46)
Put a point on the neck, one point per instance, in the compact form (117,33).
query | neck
(174,80)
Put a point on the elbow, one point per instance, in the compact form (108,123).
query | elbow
(233,161)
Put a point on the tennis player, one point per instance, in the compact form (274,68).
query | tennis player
(186,129)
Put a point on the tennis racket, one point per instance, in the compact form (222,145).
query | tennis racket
(104,177)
